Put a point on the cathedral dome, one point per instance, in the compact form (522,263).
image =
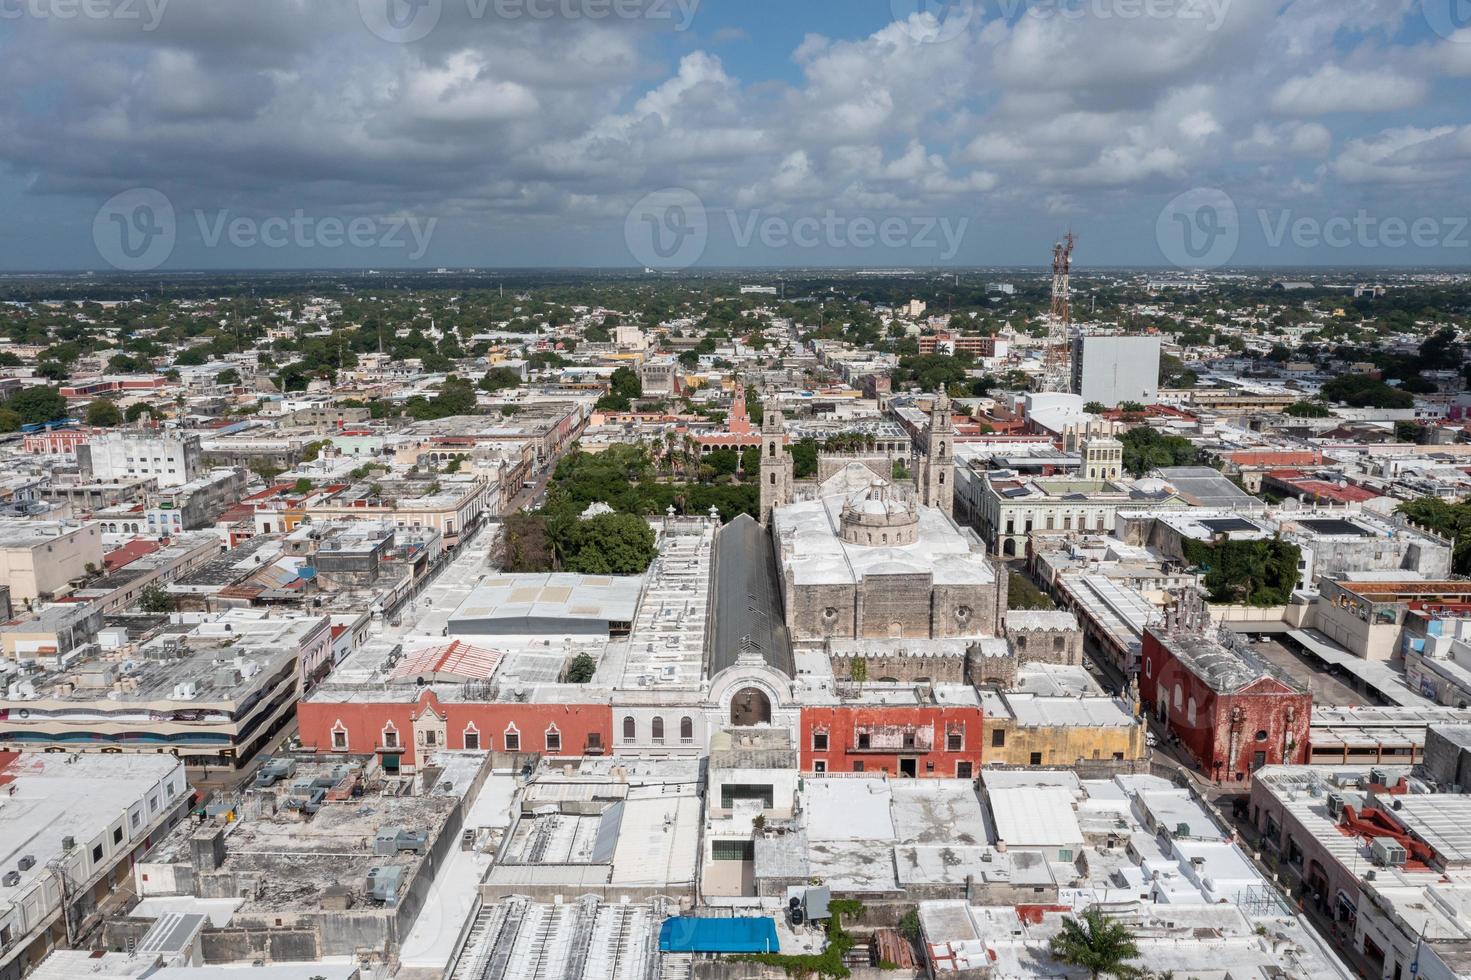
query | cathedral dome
(878,517)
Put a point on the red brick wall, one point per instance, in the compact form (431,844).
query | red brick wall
(365,724)
(1222,738)
(843,722)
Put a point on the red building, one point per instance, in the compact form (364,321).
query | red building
(398,724)
(1231,710)
(920,740)
(56,442)
(739,432)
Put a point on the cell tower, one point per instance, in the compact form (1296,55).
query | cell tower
(1057,375)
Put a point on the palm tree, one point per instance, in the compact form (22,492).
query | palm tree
(1096,943)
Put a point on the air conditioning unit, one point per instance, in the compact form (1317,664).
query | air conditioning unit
(26,863)
(11,879)
(68,842)
(1335,805)
(1387,853)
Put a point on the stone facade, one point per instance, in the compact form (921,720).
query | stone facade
(776,464)
(937,471)
(1045,636)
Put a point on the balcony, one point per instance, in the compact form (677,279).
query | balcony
(892,738)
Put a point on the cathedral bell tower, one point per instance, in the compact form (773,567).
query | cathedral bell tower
(776,463)
(937,472)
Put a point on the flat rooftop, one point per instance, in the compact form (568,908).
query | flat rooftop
(507,603)
(46,797)
(666,647)
(810,546)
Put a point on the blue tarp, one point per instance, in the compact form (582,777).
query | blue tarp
(689,934)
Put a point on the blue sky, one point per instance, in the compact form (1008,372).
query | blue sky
(182,134)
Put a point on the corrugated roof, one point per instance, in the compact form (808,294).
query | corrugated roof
(457,660)
(748,609)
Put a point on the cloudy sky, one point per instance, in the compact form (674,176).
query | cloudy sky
(182,134)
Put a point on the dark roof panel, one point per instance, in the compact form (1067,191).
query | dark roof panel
(748,609)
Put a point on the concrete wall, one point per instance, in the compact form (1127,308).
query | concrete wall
(1448,755)
(283,945)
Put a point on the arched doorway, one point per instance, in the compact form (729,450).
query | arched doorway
(749,707)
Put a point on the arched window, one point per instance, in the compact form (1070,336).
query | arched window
(630,728)
(1190,712)
(686,729)
(773,451)
(1179,695)
(658,731)
(554,739)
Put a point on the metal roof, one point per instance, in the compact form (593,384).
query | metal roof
(748,610)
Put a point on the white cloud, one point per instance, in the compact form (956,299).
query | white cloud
(1335,89)
(1407,155)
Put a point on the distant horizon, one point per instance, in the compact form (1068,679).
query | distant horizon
(698,271)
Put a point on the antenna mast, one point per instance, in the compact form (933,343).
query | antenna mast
(1057,374)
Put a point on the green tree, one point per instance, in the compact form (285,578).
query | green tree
(103,414)
(1251,573)
(804,458)
(137,410)
(1174,374)
(611,544)
(229,376)
(303,486)
(1095,408)
(625,382)
(1308,410)
(37,404)
(581,669)
(613,402)
(1096,943)
(1449,520)
(725,461)
(528,546)
(498,379)
(1362,391)
(156,599)
(1146,449)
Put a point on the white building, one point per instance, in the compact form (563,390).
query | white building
(70,827)
(173,459)
(1111,370)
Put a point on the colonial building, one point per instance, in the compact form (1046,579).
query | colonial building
(896,731)
(1232,711)
(872,564)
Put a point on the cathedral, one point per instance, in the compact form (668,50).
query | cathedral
(861,556)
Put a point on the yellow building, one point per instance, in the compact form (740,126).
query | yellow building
(1023,729)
